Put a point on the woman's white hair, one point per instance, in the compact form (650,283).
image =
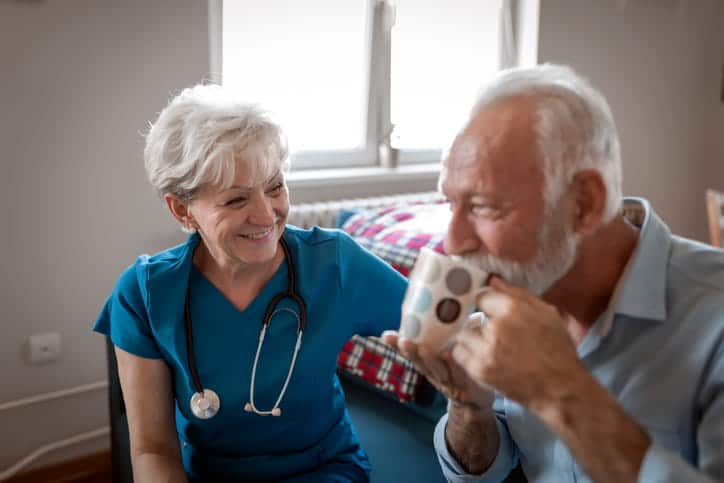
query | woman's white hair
(575,127)
(202,134)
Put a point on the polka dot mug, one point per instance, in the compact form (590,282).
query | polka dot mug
(440,298)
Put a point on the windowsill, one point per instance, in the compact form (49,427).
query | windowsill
(360,176)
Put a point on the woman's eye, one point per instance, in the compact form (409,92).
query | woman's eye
(235,201)
(276,188)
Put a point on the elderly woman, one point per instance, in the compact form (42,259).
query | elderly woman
(227,343)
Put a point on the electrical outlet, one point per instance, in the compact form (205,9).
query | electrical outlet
(44,348)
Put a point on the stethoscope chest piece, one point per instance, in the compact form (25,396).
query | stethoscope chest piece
(206,405)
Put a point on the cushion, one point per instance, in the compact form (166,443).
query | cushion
(377,364)
(396,234)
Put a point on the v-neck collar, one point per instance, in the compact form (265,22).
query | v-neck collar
(271,287)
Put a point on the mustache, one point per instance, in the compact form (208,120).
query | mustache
(491,264)
(551,262)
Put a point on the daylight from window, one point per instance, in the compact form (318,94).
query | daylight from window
(309,63)
(441,54)
(303,60)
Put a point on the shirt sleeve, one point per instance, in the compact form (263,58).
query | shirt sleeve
(124,317)
(663,465)
(371,289)
(505,460)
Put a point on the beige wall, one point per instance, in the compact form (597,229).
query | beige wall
(81,78)
(714,148)
(658,66)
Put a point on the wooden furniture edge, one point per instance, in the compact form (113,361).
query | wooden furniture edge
(95,467)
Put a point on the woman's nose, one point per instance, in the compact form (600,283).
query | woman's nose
(262,211)
(461,237)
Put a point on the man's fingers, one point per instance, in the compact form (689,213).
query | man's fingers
(469,342)
(390,337)
(408,349)
(461,354)
(429,363)
(501,285)
(494,303)
(434,365)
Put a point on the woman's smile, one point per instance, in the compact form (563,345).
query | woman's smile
(259,236)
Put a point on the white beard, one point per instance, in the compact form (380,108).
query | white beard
(557,252)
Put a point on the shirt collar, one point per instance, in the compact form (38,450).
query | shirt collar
(641,290)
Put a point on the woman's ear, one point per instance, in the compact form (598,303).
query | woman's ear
(180,210)
(590,201)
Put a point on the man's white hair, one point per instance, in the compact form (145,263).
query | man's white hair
(575,127)
(202,134)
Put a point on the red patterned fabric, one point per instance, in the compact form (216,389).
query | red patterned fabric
(396,234)
(377,364)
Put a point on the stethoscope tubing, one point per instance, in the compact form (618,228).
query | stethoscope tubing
(205,403)
(251,407)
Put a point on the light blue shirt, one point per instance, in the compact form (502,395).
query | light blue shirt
(659,349)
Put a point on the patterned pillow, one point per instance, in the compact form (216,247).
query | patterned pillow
(396,234)
(371,360)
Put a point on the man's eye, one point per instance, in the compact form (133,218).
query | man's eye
(482,210)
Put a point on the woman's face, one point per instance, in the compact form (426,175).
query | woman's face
(242,224)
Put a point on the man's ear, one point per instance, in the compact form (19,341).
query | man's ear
(180,210)
(590,195)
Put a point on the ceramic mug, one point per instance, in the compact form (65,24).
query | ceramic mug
(440,298)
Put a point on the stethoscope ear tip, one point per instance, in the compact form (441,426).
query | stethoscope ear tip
(248,408)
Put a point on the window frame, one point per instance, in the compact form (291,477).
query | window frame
(379,150)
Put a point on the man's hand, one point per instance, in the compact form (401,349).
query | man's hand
(524,350)
(443,372)
(471,433)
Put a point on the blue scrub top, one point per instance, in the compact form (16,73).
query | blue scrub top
(347,291)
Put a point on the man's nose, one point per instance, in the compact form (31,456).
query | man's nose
(461,237)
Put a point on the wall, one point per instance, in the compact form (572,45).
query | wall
(714,154)
(80,80)
(654,62)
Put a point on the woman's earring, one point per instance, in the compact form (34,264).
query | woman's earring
(189,226)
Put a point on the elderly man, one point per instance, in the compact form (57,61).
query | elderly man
(602,357)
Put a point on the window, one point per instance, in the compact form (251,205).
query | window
(350,79)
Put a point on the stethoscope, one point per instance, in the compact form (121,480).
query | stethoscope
(205,402)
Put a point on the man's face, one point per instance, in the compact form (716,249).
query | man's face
(500,220)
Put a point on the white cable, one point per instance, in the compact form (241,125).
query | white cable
(49,396)
(53,395)
(79,438)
